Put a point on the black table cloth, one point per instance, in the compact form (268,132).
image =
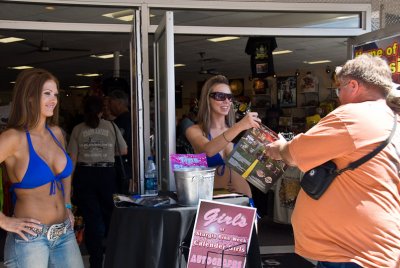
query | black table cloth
(148,237)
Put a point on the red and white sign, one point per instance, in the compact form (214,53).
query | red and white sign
(221,236)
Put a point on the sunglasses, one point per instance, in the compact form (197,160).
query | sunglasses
(220,96)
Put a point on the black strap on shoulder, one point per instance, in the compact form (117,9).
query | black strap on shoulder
(367,157)
(119,151)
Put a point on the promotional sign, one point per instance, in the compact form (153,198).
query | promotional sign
(388,49)
(179,161)
(221,235)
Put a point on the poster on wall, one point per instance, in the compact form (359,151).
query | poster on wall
(387,48)
(287,91)
(237,86)
(221,235)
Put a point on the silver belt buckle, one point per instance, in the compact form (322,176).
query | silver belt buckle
(55,231)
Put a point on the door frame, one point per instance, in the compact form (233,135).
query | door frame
(145,7)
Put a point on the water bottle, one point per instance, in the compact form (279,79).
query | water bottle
(150,177)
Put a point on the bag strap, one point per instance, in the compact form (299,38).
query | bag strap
(367,157)
(119,151)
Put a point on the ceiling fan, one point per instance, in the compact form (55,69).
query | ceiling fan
(203,61)
(44,47)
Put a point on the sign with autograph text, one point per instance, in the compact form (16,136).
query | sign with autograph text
(221,236)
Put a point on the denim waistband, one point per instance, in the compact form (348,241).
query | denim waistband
(53,231)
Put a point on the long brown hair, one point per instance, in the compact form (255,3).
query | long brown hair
(203,116)
(93,106)
(25,106)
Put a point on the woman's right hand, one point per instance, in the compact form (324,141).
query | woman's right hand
(20,226)
(250,120)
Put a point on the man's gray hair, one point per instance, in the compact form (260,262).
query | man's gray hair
(119,95)
(367,69)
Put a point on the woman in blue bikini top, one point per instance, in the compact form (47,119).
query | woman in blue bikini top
(32,148)
(215,130)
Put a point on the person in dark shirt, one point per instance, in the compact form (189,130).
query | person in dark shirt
(183,146)
(118,105)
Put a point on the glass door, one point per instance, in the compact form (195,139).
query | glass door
(137,117)
(164,78)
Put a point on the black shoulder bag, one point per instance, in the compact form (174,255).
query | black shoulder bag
(120,166)
(317,180)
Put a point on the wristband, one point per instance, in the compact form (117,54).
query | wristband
(68,205)
(223,135)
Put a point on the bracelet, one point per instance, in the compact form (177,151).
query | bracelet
(68,205)
(223,135)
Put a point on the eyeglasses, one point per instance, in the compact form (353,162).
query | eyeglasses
(220,96)
(337,90)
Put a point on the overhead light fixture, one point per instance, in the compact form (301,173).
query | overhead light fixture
(104,56)
(316,62)
(279,52)
(180,65)
(10,39)
(124,15)
(223,39)
(50,8)
(78,87)
(23,67)
(89,74)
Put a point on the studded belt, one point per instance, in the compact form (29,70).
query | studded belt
(52,232)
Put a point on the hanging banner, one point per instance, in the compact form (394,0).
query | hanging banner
(221,236)
(388,49)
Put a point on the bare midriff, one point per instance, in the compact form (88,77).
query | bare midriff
(38,204)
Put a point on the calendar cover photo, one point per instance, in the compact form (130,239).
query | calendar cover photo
(248,158)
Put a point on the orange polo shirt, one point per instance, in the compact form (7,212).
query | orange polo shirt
(358,217)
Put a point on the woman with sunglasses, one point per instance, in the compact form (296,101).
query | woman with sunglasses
(215,130)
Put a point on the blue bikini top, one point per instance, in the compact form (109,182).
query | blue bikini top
(39,173)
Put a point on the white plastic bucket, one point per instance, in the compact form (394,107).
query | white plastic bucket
(194,183)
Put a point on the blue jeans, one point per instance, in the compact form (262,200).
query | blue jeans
(325,264)
(39,252)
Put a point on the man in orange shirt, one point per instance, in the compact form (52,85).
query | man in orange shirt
(356,222)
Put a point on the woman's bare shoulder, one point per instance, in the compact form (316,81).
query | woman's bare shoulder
(11,139)
(195,127)
(12,134)
(194,130)
(56,130)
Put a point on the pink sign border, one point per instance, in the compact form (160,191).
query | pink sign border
(217,238)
